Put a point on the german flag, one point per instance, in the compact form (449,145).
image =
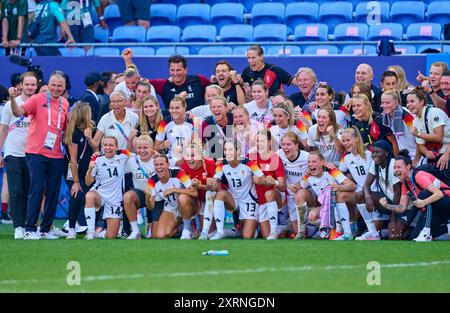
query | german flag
(408,119)
(300,126)
(255,168)
(150,186)
(183,177)
(161,127)
(307,115)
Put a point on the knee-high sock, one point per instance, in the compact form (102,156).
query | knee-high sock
(301,212)
(272,212)
(208,213)
(337,218)
(367,216)
(90,218)
(187,224)
(219,215)
(344,217)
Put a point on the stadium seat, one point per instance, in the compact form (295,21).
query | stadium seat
(193,14)
(73,52)
(407,12)
(178,2)
(311,32)
(446,49)
(172,50)
(300,13)
(213,2)
(392,31)
(270,32)
(250,3)
(143,51)
(358,50)
(333,13)
(106,51)
(163,14)
(351,32)
(240,50)
(369,11)
(216,50)
(2,52)
(198,33)
(423,31)
(236,33)
(422,48)
(405,49)
(283,50)
(163,33)
(321,50)
(112,18)
(267,13)
(227,14)
(129,34)
(100,34)
(438,12)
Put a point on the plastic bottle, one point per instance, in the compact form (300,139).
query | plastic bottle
(217,252)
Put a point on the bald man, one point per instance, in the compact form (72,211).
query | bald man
(364,73)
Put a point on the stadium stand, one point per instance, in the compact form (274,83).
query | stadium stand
(392,31)
(334,13)
(267,13)
(163,14)
(215,50)
(166,51)
(321,50)
(423,31)
(283,50)
(438,12)
(112,17)
(300,13)
(226,14)
(193,14)
(365,11)
(163,33)
(270,32)
(407,12)
(351,32)
(129,34)
(236,33)
(311,32)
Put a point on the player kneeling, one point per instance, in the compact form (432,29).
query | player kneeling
(171,192)
(108,172)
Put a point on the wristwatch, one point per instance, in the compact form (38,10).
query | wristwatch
(418,134)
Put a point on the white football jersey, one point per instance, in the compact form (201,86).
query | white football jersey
(319,183)
(140,170)
(259,114)
(109,175)
(357,166)
(178,135)
(295,169)
(325,144)
(277,132)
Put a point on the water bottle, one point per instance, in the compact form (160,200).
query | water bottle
(217,252)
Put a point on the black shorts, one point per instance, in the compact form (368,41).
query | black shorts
(408,216)
(141,196)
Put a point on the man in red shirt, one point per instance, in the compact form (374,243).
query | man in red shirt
(45,159)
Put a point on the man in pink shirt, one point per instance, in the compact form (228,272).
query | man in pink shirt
(45,159)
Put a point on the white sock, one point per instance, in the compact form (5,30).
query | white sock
(337,219)
(101,234)
(89,213)
(427,230)
(134,227)
(187,224)
(229,233)
(301,212)
(272,211)
(344,217)
(367,217)
(219,215)
(208,212)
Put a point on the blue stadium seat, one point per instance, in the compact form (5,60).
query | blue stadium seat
(333,13)
(300,13)
(179,2)
(100,34)
(163,14)
(281,51)
(392,31)
(351,32)
(112,17)
(270,32)
(321,50)
(250,3)
(2,52)
(216,50)
(370,11)
(143,51)
(423,31)
(358,50)
(193,14)
(236,33)
(163,33)
(213,2)
(74,52)
(311,32)
(198,33)
(267,13)
(106,51)
(438,12)
(129,34)
(446,49)
(421,48)
(171,51)
(226,14)
(240,50)
(406,49)
(407,12)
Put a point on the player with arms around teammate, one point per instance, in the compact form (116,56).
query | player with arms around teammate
(170,191)
(108,172)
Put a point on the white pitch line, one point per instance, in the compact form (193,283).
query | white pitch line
(227,272)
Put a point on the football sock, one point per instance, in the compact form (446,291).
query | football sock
(367,216)
(219,215)
(301,212)
(4,207)
(207,219)
(337,219)
(187,224)
(344,217)
(101,234)
(90,219)
(134,227)
(272,211)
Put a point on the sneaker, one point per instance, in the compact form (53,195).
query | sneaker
(301,235)
(31,235)
(72,234)
(140,219)
(203,236)
(18,233)
(48,236)
(90,235)
(368,236)
(344,236)
(134,236)
(57,232)
(424,236)
(6,219)
(148,234)
(217,236)
(186,234)
(124,234)
(272,236)
(335,235)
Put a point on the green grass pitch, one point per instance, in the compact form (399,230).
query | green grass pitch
(252,266)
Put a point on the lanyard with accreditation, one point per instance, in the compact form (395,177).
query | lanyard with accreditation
(51,137)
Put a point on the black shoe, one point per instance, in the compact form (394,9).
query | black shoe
(6,219)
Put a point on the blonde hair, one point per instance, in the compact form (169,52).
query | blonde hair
(294,138)
(394,94)
(366,101)
(143,120)
(118,93)
(221,98)
(131,71)
(286,107)
(333,121)
(354,132)
(111,137)
(178,99)
(308,71)
(401,76)
(79,118)
(145,137)
(216,87)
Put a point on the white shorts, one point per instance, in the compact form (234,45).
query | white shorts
(262,212)
(293,215)
(112,211)
(379,216)
(171,209)
(248,208)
